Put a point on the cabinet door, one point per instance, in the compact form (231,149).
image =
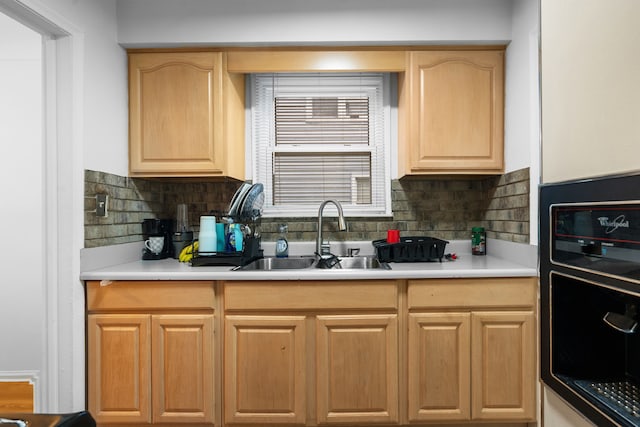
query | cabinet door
(182,368)
(439,366)
(503,365)
(119,368)
(357,369)
(264,370)
(175,114)
(455,112)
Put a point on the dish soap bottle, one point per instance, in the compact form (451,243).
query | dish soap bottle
(282,246)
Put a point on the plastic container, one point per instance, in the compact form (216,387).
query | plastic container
(220,236)
(182,219)
(478,241)
(239,238)
(207,237)
(282,246)
(393,236)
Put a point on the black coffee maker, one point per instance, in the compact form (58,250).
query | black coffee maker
(157,228)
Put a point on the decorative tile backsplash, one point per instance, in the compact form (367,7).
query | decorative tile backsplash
(442,208)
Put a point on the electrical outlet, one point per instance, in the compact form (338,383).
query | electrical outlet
(101,204)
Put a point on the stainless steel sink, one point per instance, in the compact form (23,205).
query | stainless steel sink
(270,263)
(300,263)
(360,263)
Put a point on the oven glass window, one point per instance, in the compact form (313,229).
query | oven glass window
(595,345)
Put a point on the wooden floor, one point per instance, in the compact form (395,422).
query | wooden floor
(16,396)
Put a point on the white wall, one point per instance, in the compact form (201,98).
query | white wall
(590,88)
(88,90)
(521,88)
(105,83)
(251,22)
(21,191)
(522,102)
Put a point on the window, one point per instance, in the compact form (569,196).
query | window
(321,136)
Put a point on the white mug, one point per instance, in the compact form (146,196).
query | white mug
(154,244)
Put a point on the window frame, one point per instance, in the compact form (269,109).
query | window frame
(384,171)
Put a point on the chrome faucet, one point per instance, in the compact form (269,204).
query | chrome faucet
(342,226)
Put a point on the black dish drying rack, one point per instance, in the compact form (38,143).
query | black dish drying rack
(250,253)
(251,246)
(411,249)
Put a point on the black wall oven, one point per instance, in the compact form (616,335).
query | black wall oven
(590,296)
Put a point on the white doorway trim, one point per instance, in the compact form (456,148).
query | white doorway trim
(62,379)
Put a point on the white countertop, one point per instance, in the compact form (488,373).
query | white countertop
(507,260)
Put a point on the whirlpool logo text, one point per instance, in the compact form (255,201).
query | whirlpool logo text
(613,225)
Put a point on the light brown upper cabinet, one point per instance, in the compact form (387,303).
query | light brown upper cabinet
(451,112)
(186,108)
(186,115)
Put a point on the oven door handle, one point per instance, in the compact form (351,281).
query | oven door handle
(620,322)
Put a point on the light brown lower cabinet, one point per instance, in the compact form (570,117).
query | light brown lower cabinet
(439,377)
(357,368)
(304,353)
(265,369)
(472,350)
(150,353)
(289,362)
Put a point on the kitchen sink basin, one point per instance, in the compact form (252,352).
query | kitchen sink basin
(300,263)
(269,263)
(360,263)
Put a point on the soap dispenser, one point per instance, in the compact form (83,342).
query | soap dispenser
(282,246)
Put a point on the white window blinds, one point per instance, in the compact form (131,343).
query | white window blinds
(319,137)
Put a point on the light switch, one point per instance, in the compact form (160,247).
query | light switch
(101,204)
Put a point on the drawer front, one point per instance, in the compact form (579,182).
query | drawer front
(473,293)
(309,295)
(150,295)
